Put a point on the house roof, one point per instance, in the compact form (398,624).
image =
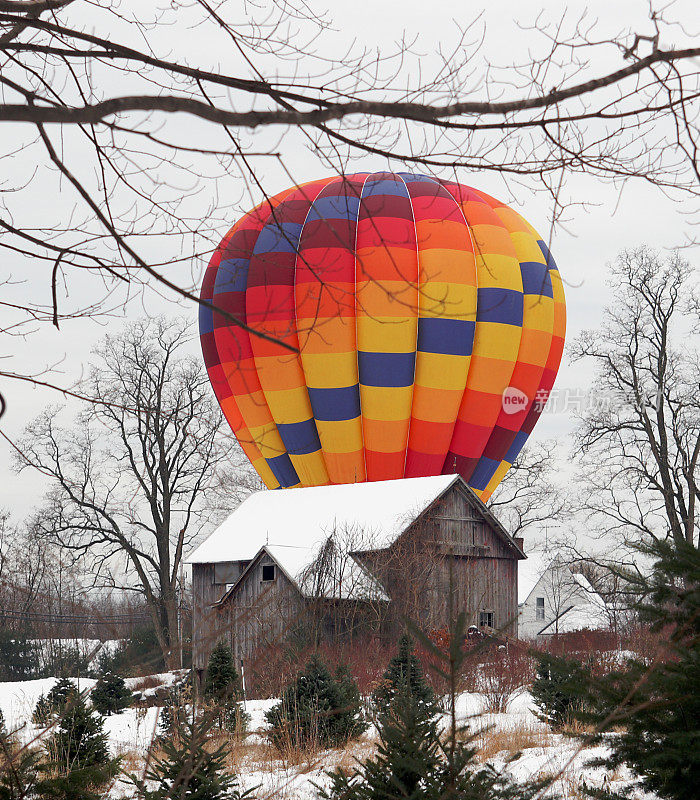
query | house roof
(582,611)
(529,574)
(590,615)
(304,517)
(539,564)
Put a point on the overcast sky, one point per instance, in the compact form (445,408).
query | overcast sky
(583,246)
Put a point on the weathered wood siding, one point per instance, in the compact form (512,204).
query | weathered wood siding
(484,567)
(451,544)
(260,613)
(209,582)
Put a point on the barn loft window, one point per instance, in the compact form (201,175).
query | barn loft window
(486,619)
(539,608)
(268,572)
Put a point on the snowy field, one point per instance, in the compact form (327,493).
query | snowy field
(500,736)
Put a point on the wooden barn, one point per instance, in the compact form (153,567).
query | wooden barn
(341,561)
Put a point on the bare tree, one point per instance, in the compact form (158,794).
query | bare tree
(129,480)
(343,596)
(559,588)
(614,588)
(27,567)
(152,124)
(641,440)
(529,495)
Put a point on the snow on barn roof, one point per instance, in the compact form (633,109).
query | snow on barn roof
(301,519)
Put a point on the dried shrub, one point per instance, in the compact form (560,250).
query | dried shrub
(491,741)
(147,682)
(503,673)
(582,642)
(272,668)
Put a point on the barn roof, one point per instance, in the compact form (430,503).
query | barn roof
(303,518)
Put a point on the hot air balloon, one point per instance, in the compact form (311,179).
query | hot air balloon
(378,326)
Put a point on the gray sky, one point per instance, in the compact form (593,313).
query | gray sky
(618,217)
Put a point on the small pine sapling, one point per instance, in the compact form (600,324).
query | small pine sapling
(558,689)
(351,701)
(19,767)
(223,690)
(190,768)
(409,745)
(314,709)
(404,673)
(52,705)
(78,763)
(178,702)
(415,759)
(222,682)
(110,695)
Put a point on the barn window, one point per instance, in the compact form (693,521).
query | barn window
(486,619)
(268,572)
(539,608)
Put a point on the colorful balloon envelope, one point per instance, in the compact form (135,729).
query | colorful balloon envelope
(379,326)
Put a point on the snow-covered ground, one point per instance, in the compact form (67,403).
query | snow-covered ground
(131,730)
(258,765)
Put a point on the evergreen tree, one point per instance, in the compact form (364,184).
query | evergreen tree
(78,759)
(139,653)
(223,690)
(80,738)
(189,769)
(558,689)
(19,659)
(168,717)
(649,713)
(350,700)
(67,660)
(404,673)
(19,768)
(314,709)
(408,750)
(222,683)
(52,705)
(110,695)
(415,760)
(178,702)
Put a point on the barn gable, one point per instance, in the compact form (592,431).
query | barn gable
(351,581)
(465,526)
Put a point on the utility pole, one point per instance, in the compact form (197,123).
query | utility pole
(179,615)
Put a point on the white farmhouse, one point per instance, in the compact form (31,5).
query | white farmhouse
(552,598)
